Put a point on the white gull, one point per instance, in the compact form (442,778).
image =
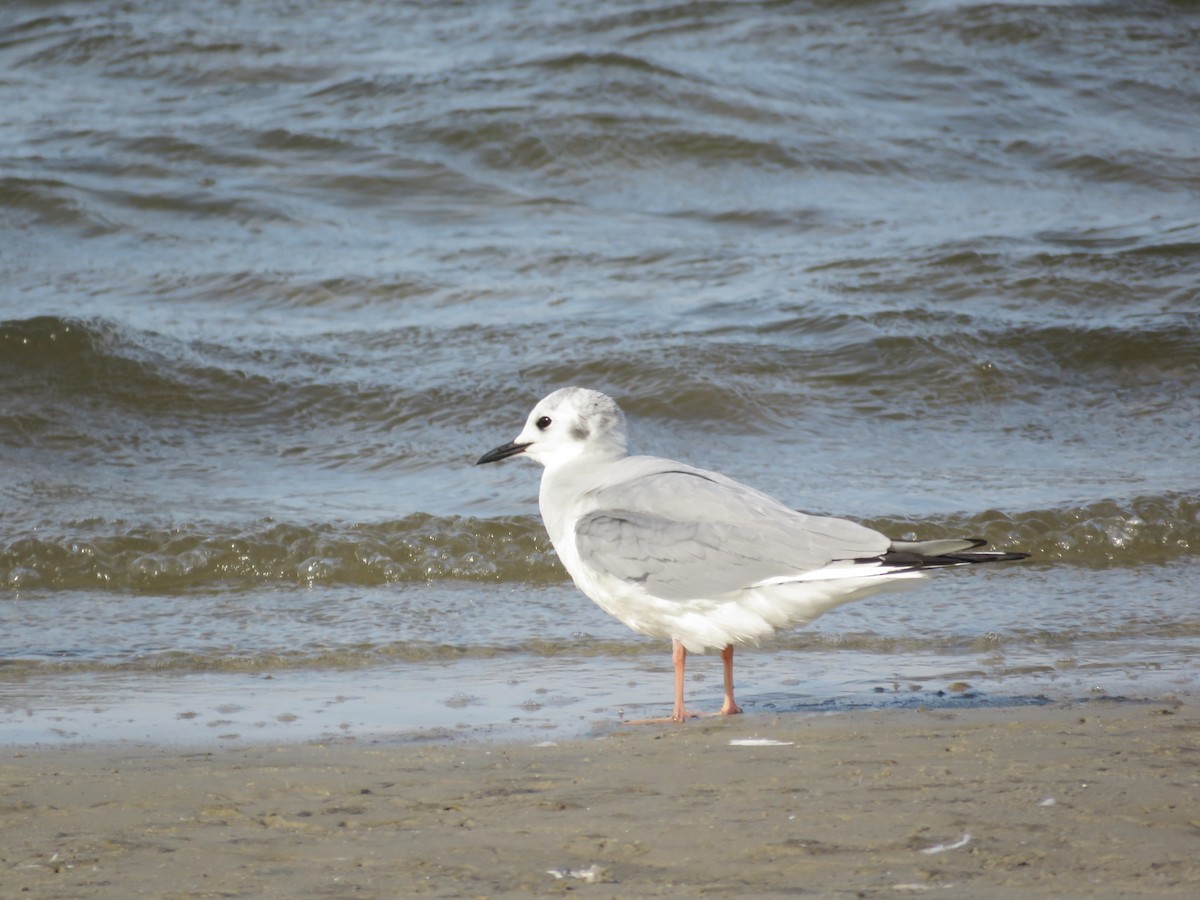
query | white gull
(678,552)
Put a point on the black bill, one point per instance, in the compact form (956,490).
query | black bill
(504,451)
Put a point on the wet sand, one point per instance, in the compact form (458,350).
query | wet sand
(1089,799)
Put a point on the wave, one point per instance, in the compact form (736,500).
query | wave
(417,548)
(935,362)
(95,382)
(1144,530)
(422,548)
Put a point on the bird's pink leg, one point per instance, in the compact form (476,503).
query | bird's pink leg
(729,708)
(679,657)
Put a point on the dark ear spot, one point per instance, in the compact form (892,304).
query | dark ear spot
(579,432)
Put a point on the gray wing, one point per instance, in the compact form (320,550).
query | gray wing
(687,534)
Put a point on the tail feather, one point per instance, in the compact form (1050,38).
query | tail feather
(935,554)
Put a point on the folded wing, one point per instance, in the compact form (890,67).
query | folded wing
(688,534)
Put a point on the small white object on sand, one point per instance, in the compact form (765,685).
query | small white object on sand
(758,742)
(942,848)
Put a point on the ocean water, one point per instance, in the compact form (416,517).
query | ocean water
(273,275)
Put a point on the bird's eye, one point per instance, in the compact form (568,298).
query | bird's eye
(543,423)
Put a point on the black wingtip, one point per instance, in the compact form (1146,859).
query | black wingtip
(995,556)
(962,558)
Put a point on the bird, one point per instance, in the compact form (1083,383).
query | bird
(682,553)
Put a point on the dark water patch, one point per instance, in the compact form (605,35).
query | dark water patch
(933,358)
(146,46)
(369,87)
(66,369)
(200,205)
(1119,272)
(1154,269)
(304,143)
(1151,171)
(171,150)
(53,203)
(70,364)
(71,41)
(611,60)
(411,190)
(1164,350)
(18,32)
(580,153)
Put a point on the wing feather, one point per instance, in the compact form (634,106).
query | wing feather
(685,534)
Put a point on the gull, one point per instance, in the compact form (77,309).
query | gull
(679,552)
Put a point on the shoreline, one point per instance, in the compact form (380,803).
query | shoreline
(518,698)
(1094,798)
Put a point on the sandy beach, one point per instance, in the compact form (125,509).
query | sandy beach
(1088,799)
